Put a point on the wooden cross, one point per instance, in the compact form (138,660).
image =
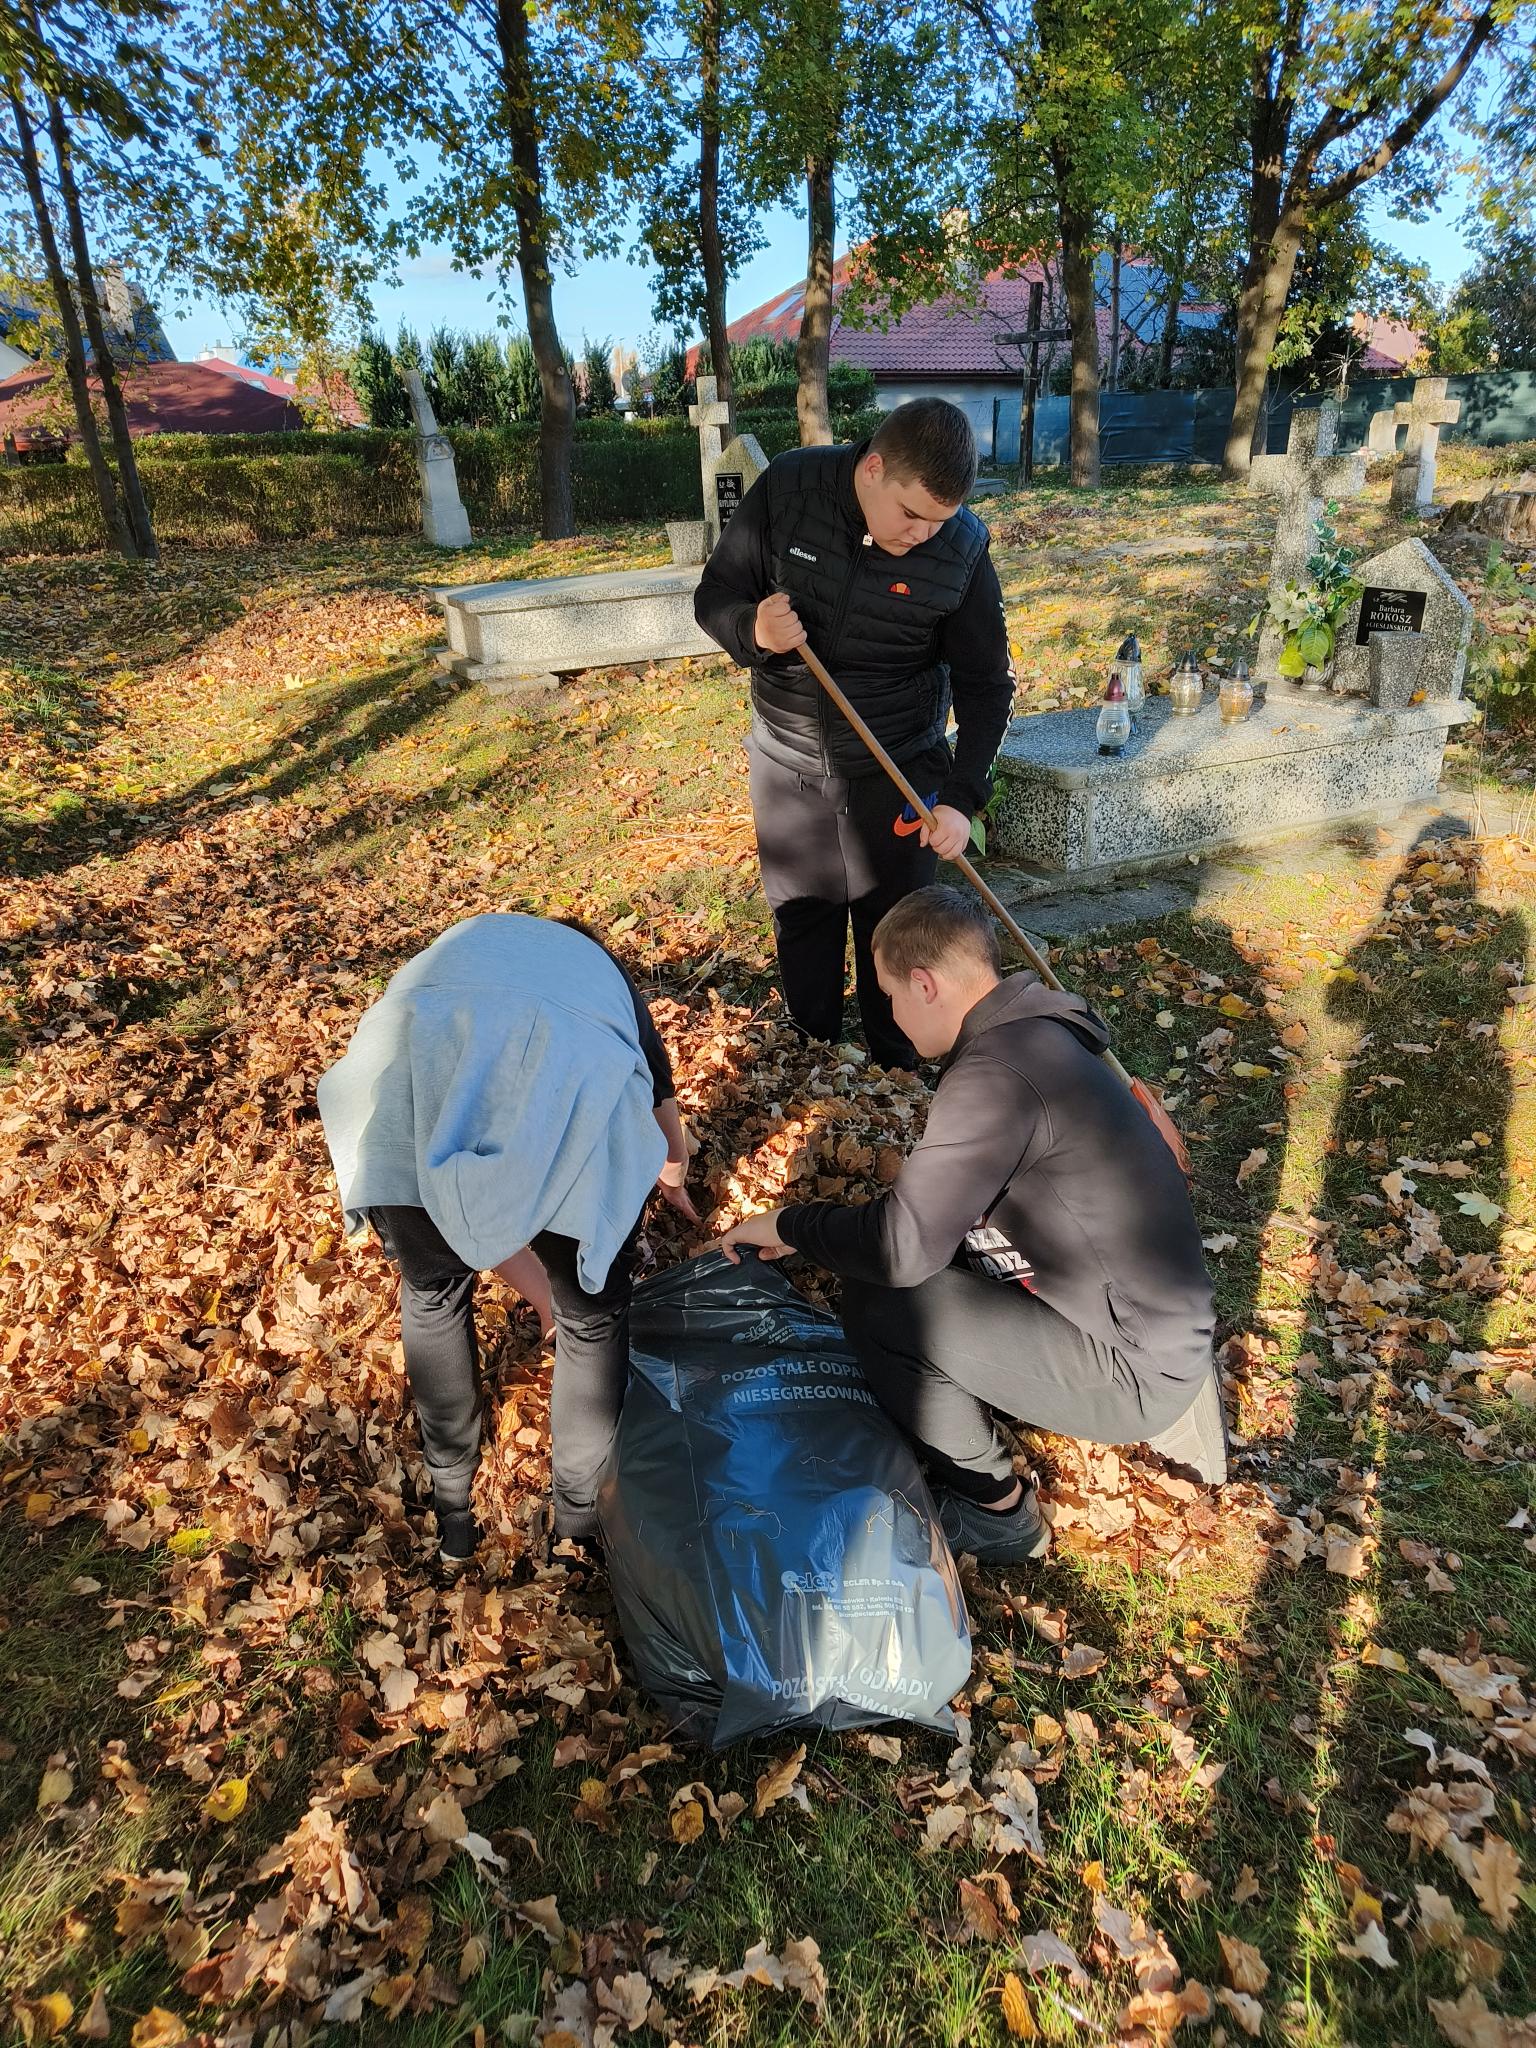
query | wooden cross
(1413,482)
(1303,479)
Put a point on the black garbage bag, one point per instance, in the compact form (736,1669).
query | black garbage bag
(774,1554)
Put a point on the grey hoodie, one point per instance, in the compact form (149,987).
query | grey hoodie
(1038,1166)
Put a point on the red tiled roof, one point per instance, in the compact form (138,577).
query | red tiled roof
(949,338)
(162,398)
(282,387)
(1389,344)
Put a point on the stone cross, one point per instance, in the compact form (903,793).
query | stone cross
(709,416)
(444,521)
(1303,479)
(1413,483)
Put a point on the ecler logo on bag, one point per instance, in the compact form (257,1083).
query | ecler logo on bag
(808,1582)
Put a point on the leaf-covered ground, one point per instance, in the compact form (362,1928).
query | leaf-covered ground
(1248,1765)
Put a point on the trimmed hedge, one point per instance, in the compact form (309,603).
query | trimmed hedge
(218,490)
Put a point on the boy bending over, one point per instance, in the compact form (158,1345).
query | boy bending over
(1037,1258)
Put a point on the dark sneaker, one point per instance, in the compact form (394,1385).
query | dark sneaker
(458,1538)
(1013,1537)
(1197,1442)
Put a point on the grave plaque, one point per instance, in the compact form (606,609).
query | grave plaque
(727,496)
(1406,592)
(727,481)
(1389,611)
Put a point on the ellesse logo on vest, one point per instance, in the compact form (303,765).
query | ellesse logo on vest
(803,554)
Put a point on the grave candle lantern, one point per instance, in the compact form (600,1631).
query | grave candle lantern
(1114,725)
(1185,689)
(1236,697)
(1128,669)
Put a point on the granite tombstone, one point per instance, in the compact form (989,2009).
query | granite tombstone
(1303,479)
(444,521)
(1407,597)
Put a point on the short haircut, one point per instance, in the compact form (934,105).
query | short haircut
(931,441)
(937,927)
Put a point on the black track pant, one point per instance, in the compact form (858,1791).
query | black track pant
(945,1357)
(830,855)
(437,1328)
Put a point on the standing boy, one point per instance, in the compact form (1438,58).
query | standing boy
(1037,1257)
(870,554)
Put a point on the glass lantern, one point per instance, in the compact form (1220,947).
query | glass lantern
(1236,697)
(1185,690)
(1114,726)
(1128,669)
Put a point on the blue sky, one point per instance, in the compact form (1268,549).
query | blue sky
(611,298)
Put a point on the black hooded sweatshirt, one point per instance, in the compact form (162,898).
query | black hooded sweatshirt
(1040,1168)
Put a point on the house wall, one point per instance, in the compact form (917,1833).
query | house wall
(12,360)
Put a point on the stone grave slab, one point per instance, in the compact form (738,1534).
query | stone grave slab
(500,632)
(1406,592)
(1195,786)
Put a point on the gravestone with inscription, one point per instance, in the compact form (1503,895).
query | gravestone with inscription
(1303,479)
(1406,593)
(710,416)
(731,475)
(1183,787)
(444,521)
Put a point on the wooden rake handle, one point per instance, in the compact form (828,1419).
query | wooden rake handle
(1144,1094)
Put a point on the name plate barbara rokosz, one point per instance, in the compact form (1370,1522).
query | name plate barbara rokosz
(1384,610)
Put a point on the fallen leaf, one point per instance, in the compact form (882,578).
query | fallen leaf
(158,2029)
(226,1802)
(1018,2017)
(1495,1880)
(1256,1158)
(1047,1951)
(1369,1946)
(1383,1660)
(775,1783)
(1247,2011)
(1246,1968)
(1082,1660)
(54,1788)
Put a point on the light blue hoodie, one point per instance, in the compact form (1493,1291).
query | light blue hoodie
(498,1083)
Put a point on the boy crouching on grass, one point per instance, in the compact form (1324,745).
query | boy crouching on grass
(1037,1258)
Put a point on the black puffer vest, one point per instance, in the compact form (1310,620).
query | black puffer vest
(873,618)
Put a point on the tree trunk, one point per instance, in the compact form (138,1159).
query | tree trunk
(1083,318)
(135,508)
(1260,311)
(711,255)
(1170,335)
(113,516)
(1269,133)
(813,352)
(557,415)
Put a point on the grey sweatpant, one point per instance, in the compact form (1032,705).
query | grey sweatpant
(943,1358)
(437,1328)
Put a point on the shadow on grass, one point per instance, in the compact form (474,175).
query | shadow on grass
(1314,1738)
